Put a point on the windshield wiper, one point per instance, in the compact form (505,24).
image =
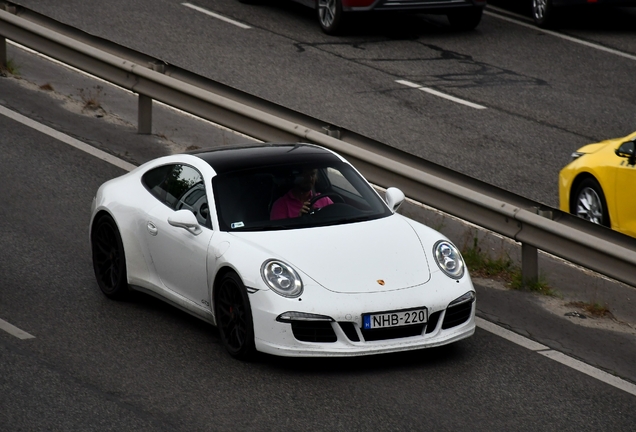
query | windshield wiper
(330,222)
(263,228)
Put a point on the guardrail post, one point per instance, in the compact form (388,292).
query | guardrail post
(3,52)
(529,264)
(144,115)
(4,62)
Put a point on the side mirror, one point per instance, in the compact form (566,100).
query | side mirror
(394,198)
(626,150)
(185,219)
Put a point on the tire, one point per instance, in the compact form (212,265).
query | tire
(234,317)
(543,13)
(109,259)
(588,202)
(466,19)
(330,16)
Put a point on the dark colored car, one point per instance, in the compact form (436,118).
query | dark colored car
(333,14)
(462,14)
(546,12)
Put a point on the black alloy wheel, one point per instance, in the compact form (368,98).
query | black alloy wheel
(330,16)
(465,19)
(109,260)
(234,317)
(588,202)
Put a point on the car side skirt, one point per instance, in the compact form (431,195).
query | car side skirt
(179,302)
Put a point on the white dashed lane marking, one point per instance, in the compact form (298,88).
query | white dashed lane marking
(440,94)
(14,331)
(216,15)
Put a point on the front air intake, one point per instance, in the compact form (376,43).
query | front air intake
(456,315)
(313,331)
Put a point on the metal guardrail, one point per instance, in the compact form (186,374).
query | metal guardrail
(534,225)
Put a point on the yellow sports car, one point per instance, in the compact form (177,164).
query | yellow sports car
(598,185)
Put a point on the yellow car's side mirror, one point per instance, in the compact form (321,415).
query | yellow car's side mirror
(626,150)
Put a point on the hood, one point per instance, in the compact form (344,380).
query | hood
(609,145)
(374,256)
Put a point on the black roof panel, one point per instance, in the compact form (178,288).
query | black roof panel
(236,158)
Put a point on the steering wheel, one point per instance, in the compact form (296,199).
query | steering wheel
(334,197)
(204,210)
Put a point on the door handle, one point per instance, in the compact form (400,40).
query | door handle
(152,229)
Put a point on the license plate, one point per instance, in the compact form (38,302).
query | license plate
(394,319)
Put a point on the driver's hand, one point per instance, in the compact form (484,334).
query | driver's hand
(304,209)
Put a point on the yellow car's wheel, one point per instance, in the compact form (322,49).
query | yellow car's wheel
(588,202)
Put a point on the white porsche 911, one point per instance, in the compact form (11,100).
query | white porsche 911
(286,248)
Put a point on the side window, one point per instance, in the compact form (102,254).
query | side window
(179,187)
(626,149)
(179,183)
(155,180)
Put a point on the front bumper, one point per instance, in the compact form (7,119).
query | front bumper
(344,337)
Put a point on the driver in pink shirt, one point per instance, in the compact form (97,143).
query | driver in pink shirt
(295,203)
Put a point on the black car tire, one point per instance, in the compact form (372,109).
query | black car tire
(109,259)
(330,16)
(588,202)
(234,317)
(544,13)
(465,19)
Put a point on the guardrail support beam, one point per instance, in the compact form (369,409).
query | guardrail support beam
(3,52)
(144,115)
(529,264)
(557,233)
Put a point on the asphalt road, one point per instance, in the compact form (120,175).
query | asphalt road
(95,364)
(545,96)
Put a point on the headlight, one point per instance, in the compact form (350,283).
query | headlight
(281,278)
(448,259)
(575,155)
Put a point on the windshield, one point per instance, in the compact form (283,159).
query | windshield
(294,196)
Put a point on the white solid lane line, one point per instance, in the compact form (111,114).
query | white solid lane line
(440,94)
(559,35)
(481,323)
(510,335)
(215,15)
(591,371)
(557,356)
(14,331)
(67,139)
